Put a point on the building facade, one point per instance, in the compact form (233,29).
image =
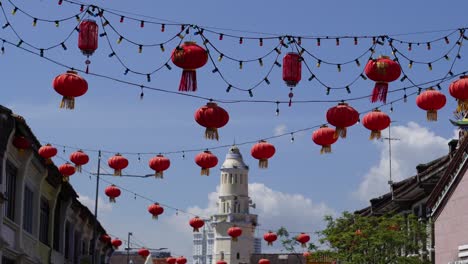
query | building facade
(41,220)
(203,243)
(233,209)
(132,257)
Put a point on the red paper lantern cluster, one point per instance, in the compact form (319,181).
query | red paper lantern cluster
(303,239)
(155,210)
(263,151)
(88,39)
(459,90)
(325,137)
(196,223)
(376,121)
(112,192)
(143,252)
(270,237)
(159,164)
(66,170)
(118,163)
(47,152)
(189,56)
(234,232)
(206,160)
(79,158)
(212,117)
(181,260)
(342,116)
(431,101)
(382,70)
(116,243)
(70,85)
(21,143)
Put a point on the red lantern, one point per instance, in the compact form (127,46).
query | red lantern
(307,254)
(159,164)
(376,121)
(303,239)
(47,152)
(358,232)
(270,237)
(143,252)
(171,260)
(342,116)
(234,232)
(118,163)
(66,170)
(21,143)
(263,151)
(116,243)
(189,56)
(70,85)
(181,260)
(382,70)
(106,239)
(206,160)
(212,117)
(459,90)
(431,101)
(196,223)
(88,39)
(292,70)
(263,261)
(79,158)
(221,262)
(325,137)
(112,192)
(156,210)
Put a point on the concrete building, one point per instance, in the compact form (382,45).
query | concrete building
(120,257)
(233,209)
(41,220)
(203,243)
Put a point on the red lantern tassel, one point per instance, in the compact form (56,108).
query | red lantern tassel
(270,243)
(263,163)
(211,133)
(462,106)
(234,239)
(68,102)
(48,161)
(64,178)
(304,245)
(380,92)
(158,175)
(377,134)
(195,229)
(431,115)
(325,149)
(117,172)
(111,199)
(78,168)
(340,132)
(155,217)
(205,171)
(188,82)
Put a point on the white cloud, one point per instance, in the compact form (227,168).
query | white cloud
(416,145)
(103,206)
(280,129)
(274,209)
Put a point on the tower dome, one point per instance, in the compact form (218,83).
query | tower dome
(234,160)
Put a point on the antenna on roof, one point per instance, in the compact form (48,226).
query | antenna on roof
(390,139)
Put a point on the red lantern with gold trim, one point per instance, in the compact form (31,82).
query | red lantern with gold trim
(303,238)
(79,158)
(47,152)
(21,143)
(325,137)
(66,170)
(118,163)
(181,260)
(270,237)
(105,238)
(376,121)
(70,85)
(171,260)
(263,151)
(116,243)
(264,261)
(189,56)
(88,39)
(144,253)
(234,232)
(431,100)
(206,160)
(459,90)
(112,192)
(382,70)
(159,164)
(221,262)
(342,116)
(196,223)
(212,117)
(155,210)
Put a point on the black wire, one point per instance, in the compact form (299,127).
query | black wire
(43,19)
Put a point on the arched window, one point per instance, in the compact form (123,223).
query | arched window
(238,255)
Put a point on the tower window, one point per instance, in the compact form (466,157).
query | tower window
(231,179)
(235,178)
(238,255)
(241,178)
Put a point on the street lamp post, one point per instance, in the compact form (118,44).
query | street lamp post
(128,247)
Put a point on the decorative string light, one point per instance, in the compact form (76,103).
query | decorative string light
(221,36)
(292,137)
(277,111)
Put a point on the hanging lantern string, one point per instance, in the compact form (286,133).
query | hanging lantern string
(286,134)
(443,57)
(225,101)
(253,87)
(353,61)
(429,41)
(115,54)
(21,39)
(38,19)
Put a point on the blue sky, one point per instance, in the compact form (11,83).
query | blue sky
(111,116)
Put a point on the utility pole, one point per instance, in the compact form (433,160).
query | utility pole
(93,261)
(128,247)
(390,139)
